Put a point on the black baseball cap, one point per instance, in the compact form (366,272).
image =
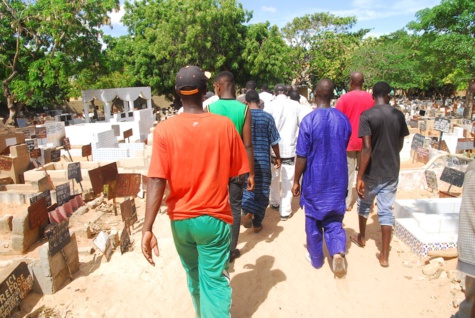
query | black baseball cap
(191,77)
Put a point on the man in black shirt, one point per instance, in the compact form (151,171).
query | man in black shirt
(383,129)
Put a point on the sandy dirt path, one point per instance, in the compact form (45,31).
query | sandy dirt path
(272,278)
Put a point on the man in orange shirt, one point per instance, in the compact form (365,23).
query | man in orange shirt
(196,152)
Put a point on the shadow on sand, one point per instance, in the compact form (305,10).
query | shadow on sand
(250,289)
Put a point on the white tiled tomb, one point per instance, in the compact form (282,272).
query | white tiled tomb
(427,224)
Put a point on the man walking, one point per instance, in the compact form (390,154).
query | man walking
(265,95)
(352,105)
(465,243)
(228,106)
(383,129)
(196,153)
(264,136)
(250,86)
(286,115)
(321,157)
(465,246)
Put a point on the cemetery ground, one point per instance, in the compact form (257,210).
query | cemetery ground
(272,278)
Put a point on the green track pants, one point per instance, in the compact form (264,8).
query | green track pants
(203,246)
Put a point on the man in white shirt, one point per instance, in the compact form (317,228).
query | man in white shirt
(287,118)
(265,95)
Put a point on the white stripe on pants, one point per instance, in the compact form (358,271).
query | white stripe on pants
(286,175)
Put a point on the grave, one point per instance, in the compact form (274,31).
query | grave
(427,224)
(20,162)
(58,260)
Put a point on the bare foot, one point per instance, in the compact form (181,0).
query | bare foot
(356,238)
(383,262)
(339,267)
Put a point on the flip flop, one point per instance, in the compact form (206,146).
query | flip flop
(356,240)
(233,255)
(257,229)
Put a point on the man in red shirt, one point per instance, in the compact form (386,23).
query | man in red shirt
(352,104)
(196,152)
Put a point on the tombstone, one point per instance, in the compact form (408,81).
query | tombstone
(15,287)
(55,155)
(46,194)
(38,213)
(128,133)
(423,126)
(102,176)
(63,193)
(128,184)
(86,150)
(35,153)
(413,123)
(74,171)
(30,143)
(452,177)
(126,210)
(464,144)
(58,237)
(442,125)
(423,155)
(40,132)
(66,143)
(417,141)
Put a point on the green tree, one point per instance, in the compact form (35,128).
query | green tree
(265,55)
(44,44)
(392,58)
(321,44)
(447,33)
(166,35)
(110,70)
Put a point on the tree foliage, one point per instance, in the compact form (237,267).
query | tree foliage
(447,33)
(50,49)
(321,45)
(166,35)
(265,56)
(393,58)
(45,43)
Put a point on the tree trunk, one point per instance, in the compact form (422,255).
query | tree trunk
(469,108)
(12,106)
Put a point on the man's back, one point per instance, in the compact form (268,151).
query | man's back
(266,97)
(193,152)
(231,108)
(323,138)
(386,126)
(353,104)
(287,119)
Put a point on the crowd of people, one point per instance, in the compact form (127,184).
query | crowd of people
(227,158)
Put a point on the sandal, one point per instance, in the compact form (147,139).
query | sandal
(246,220)
(257,229)
(233,255)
